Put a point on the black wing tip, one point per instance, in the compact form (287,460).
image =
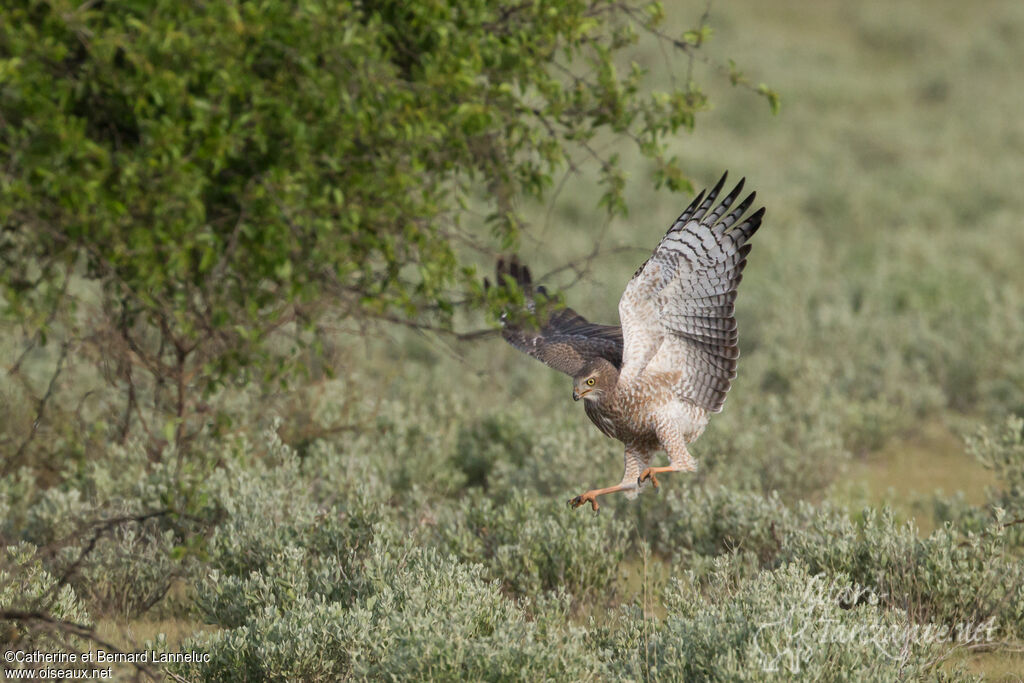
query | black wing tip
(754,220)
(738,189)
(719,185)
(742,207)
(688,211)
(512,267)
(699,208)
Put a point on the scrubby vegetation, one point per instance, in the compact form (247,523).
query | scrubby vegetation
(405,517)
(373,555)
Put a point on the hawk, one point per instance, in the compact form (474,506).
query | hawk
(653,382)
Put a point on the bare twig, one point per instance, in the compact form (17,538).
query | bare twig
(37,337)
(41,406)
(71,628)
(421,326)
(101,529)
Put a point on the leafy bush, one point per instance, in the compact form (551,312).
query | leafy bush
(948,577)
(494,439)
(775,626)
(1003,453)
(420,615)
(531,546)
(26,586)
(131,570)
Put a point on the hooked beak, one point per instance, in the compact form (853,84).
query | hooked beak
(577,395)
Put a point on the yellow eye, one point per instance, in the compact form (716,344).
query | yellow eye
(590,382)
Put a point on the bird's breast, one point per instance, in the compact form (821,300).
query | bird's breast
(624,419)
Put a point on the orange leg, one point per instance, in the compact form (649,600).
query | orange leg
(591,496)
(651,471)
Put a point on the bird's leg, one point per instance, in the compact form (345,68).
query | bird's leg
(633,460)
(591,496)
(651,471)
(679,457)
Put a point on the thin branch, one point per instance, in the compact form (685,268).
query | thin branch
(703,22)
(71,628)
(581,267)
(689,49)
(101,529)
(41,407)
(16,367)
(570,171)
(421,326)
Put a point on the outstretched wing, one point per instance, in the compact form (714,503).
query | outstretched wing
(564,340)
(677,311)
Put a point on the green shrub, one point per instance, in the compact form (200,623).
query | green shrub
(1003,453)
(534,545)
(420,615)
(131,569)
(776,625)
(483,444)
(947,577)
(26,586)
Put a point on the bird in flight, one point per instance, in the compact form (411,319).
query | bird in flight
(653,382)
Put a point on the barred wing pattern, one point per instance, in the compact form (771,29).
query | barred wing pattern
(678,310)
(565,341)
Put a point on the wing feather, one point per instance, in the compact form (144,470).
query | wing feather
(678,310)
(565,340)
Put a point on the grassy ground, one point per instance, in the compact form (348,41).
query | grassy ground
(908,471)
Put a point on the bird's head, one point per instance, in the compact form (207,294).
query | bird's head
(595,381)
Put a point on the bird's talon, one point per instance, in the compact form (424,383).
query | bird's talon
(585,498)
(648,474)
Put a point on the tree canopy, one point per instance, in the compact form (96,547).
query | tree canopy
(223,171)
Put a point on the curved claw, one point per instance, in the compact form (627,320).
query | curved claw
(648,474)
(585,498)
